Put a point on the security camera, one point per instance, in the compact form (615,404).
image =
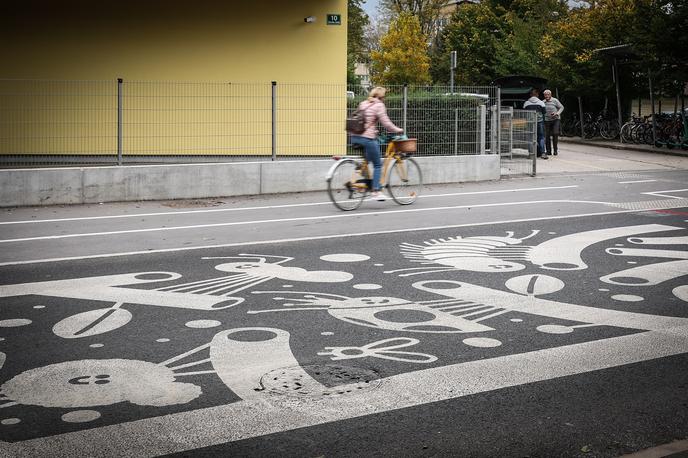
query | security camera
(309,19)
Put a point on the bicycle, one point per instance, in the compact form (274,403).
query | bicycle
(349,180)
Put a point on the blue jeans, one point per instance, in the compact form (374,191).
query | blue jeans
(372,154)
(541,138)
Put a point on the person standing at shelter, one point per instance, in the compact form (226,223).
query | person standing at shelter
(374,109)
(553,109)
(535,104)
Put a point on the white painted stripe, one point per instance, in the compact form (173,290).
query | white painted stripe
(661,450)
(254,418)
(286,220)
(317,237)
(663,193)
(637,181)
(267,207)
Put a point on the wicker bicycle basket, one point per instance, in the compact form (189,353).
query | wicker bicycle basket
(405,146)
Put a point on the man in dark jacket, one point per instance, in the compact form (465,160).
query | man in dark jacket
(537,105)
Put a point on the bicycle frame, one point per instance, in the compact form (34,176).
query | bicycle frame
(391,155)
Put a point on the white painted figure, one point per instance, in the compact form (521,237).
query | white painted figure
(507,254)
(394,314)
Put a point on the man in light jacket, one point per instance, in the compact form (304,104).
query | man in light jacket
(553,109)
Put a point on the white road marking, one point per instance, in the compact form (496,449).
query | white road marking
(636,181)
(237,421)
(664,193)
(303,218)
(268,207)
(318,237)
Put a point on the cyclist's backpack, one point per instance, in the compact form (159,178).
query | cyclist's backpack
(355,123)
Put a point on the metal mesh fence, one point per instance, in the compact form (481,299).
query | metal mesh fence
(518,133)
(444,122)
(84,122)
(195,119)
(42,120)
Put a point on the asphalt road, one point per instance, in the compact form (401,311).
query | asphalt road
(527,317)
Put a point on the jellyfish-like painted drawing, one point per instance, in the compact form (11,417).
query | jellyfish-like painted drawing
(217,293)
(394,314)
(508,254)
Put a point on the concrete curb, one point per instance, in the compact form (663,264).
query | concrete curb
(82,185)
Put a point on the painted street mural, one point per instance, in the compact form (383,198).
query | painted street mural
(295,324)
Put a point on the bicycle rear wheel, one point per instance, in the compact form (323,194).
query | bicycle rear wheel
(405,181)
(609,129)
(347,186)
(626,133)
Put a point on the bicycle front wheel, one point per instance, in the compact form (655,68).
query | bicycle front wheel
(405,181)
(346,187)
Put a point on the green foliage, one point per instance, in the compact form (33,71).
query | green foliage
(403,57)
(432,127)
(355,26)
(474,31)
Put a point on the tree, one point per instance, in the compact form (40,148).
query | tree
(356,45)
(519,53)
(474,31)
(402,57)
(568,47)
(427,12)
(662,42)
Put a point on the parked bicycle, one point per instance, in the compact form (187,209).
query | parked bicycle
(603,125)
(349,180)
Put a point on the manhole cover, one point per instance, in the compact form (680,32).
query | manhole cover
(319,380)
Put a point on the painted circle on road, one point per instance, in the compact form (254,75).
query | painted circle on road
(202,324)
(81,416)
(681,292)
(555,329)
(14,323)
(367,286)
(345,257)
(534,285)
(482,342)
(627,298)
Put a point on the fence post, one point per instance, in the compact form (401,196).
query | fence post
(483,119)
(405,108)
(580,110)
(456,131)
(493,130)
(534,139)
(273,120)
(499,119)
(652,104)
(120,138)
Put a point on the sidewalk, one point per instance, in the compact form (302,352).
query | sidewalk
(609,157)
(624,146)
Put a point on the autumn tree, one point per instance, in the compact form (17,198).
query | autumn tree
(403,56)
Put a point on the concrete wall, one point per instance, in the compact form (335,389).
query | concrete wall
(27,187)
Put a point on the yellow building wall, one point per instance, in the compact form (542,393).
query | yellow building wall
(196,77)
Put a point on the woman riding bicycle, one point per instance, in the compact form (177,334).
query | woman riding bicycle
(374,109)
